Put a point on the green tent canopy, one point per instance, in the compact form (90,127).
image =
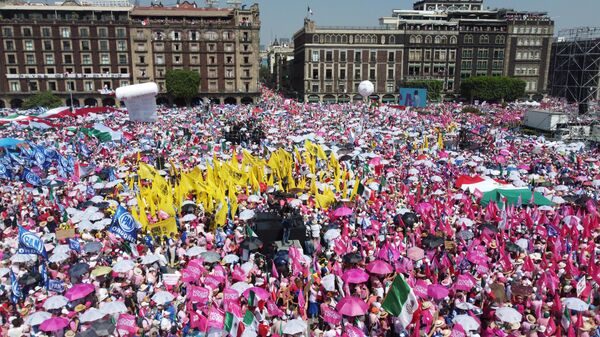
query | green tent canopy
(512,197)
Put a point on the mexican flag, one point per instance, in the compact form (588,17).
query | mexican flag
(252,300)
(250,233)
(231,324)
(250,321)
(401,301)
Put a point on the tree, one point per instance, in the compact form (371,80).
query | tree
(43,99)
(492,88)
(182,83)
(434,87)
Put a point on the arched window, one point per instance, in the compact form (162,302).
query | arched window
(499,39)
(412,39)
(428,39)
(392,39)
(484,39)
(468,38)
(337,39)
(344,38)
(453,40)
(419,39)
(315,38)
(438,39)
(327,38)
(211,36)
(444,39)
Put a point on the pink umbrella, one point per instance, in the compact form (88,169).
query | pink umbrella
(79,291)
(379,267)
(352,306)
(355,276)
(420,289)
(437,291)
(54,324)
(342,211)
(415,253)
(260,292)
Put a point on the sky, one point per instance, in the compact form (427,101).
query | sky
(282,18)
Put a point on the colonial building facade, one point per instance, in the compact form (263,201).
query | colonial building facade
(86,50)
(436,40)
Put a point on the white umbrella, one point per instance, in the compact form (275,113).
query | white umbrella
(508,315)
(295,202)
(332,234)
(295,326)
(37,318)
(4,271)
(123,266)
(596,182)
(188,217)
(246,214)
(96,216)
(111,308)
(163,297)
(574,303)
(465,221)
(254,198)
(58,257)
(328,282)
(55,302)
(558,200)
(523,243)
(97,198)
(546,208)
(436,179)
(85,225)
(248,266)
(466,306)
(231,258)
(194,251)
(413,171)
(99,225)
(561,188)
(571,218)
(240,287)
(91,315)
(132,202)
(22,258)
(149,259)
(62,249)
(467,322)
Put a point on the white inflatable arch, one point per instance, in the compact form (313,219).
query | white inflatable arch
(140,100)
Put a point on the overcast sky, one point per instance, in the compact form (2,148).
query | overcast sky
(282,18)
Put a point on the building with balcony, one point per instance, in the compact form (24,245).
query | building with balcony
(444,40)
(86,50)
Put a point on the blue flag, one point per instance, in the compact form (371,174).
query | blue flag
(4,172)
(29,243)
(17,294)
(552,232)
(40,157)
(75,245)
(44,273)
(85,150)
(124,225)
(31,178)
(56,286)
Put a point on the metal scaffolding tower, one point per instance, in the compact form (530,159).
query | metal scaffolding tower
(576,64)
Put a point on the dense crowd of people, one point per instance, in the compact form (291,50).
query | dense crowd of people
(115,228)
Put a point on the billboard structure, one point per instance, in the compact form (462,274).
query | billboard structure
(140,100)
(414,97)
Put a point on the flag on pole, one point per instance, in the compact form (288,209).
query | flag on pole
(250,233)
(231,324)
(250,321)
(252,299)
(310,11)
(401,301)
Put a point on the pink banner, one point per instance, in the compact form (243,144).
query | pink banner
(352,331)
(273,309)
(230,295)
(477,257)
(215,318)
(198,321)
(127,322)
(199,294)
(465,282)
(212,282)
(188,276)
(330,316)
(238,274)
(420,289)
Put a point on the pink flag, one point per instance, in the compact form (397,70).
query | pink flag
(301,300)
(212,281)
(198,321)
(465,282)
(273,309)
(230,295)
(458,331)
(219,271)
(352,331)
(127,322)
(215,318)
(274,272)
(188,276)
(238,274)
(199,294)
(330,316)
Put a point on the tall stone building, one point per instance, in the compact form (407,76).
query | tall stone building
(87,49)
(444,40)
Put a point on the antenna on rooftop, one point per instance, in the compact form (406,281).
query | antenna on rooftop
(211,3)
(234,3)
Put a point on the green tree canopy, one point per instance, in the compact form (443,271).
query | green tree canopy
(492,88)
(43,99)
(182,83)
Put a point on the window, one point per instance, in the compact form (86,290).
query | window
(500,39)
(373,56)
(33,86)
(371,74)
(229,47)
(88,86)
(85,45)
(315,56)
(342,56)
(52,86)
(7,31)
(122,58)
(390,87)
(11,58)
(9,45)
(390,73)
(26,31)
(342,74)
(212,47)
(103,45)
(15,86)
(31,70)
(499,53)
(328,74)
(466,64)
(84,32)
(67,58)
(176,36)
(414,70)
(315,88)
(160,59)
(468,39)
(482,53)
(121,45)
(121,33)
(497,64)
(104,59)
(328,56)
(315,74)
(102,32)
(87,70)
(391,56)
(211,36)
(246,73)
(86,58)
(439,55)
(453,40)
(212,85)
(427,55)
(194,47)
(65,32)
(159,47)
(428,39)
(71,85)
(29,58)
(49,58)
(484,39)
(452,55)
(142,59)
(357,57)
(481,64)
(467,53)
(414,55)
(12,70)
(195,59)
(28,45)
(246,60)
(66,45)
(177,59)
(357,74)
(212,59)
(229,73)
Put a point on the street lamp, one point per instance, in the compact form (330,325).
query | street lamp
(365,89)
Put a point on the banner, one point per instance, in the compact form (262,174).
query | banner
(29,243)
(274,310)
(124,225)
(74,244)
(65,234)
(56,286)
(330,316)
(215,318)
(171,279)
(127,322)
(165,227)
(199,294)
